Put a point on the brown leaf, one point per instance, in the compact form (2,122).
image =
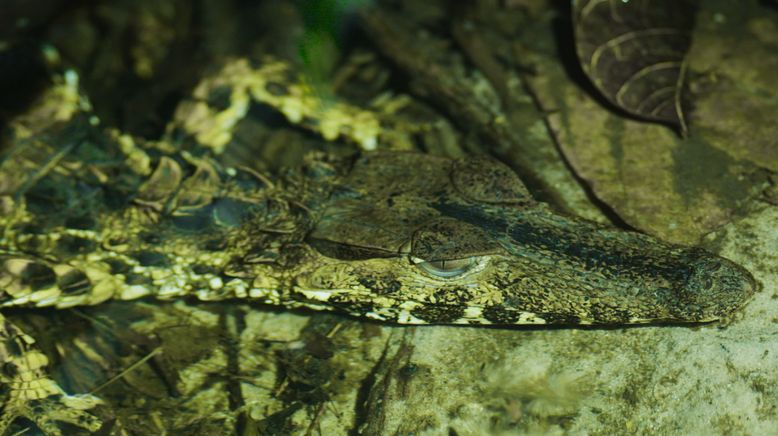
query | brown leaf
(677,189)
(633,51)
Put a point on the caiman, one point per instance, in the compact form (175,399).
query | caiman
(90,214)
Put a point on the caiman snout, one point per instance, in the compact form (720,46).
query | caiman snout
(715,288)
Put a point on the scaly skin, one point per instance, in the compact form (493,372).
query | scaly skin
(91,215)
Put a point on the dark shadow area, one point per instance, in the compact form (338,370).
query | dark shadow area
(23,76)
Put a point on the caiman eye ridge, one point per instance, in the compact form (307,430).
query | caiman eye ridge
(446,269)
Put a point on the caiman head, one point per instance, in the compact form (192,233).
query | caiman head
(417,239)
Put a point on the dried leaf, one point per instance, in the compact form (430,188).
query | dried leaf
(654,181)
(633,51)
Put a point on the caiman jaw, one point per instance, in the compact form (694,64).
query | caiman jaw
(533,266)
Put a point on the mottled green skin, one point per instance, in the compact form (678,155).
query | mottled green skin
(342,235)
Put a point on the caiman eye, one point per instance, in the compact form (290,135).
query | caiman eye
(446,268)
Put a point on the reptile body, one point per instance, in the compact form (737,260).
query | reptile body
(90,215)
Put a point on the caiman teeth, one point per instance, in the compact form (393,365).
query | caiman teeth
(323,294)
